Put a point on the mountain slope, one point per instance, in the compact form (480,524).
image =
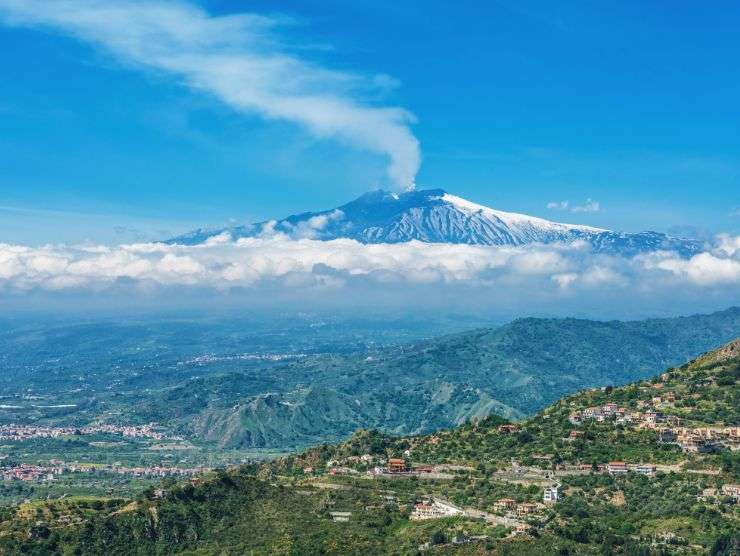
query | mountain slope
(435,216)
(514,370)
(324,501)
(701,394)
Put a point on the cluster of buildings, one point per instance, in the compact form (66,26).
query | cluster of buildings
(400,467)
(731,490)
(129,431)
(342,466)
(42,473)
(521,509)
(365,459)
(622,468)
(702,439)
(691,440)
(728,490)
(434,509)
(27,432)
(154,471)
(460,539)
(621,415)
(31,473)
(212,358)
(379,466)
(521,530)
(550,495)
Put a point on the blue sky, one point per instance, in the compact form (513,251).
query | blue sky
(631,105)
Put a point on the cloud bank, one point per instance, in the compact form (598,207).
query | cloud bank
(240,60)
(345,267)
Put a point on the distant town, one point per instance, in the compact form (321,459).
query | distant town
(14,432)
(56,468)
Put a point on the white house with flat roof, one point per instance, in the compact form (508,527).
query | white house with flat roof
(550,494)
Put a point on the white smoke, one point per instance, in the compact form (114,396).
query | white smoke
(238,59)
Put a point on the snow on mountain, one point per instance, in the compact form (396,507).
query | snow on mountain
(435,216)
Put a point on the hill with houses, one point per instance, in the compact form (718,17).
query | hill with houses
(650,468)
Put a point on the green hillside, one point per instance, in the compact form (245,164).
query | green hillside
(287,384)
(660,497)
(514,371)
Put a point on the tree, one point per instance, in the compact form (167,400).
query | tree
(439,537)
(725,546)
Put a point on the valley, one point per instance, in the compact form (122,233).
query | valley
(165,396)
(576,478)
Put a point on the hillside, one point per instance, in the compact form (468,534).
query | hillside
(659,420)
(288,383)
(513,370)
(471,490)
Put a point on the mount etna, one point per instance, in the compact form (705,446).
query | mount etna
(435,216)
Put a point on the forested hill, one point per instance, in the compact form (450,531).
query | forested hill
(539,360)
(597,425)
(514,371)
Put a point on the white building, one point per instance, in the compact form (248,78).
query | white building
(732,491)
(551,495)
(617,468)
(645,469)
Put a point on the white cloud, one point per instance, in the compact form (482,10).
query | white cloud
(278,261)
(538,262)
(728,245)
(558,205)
(239,59)
(720,266)
(598,275)
(565,279)
(588,206)
(307,228)
(179,265)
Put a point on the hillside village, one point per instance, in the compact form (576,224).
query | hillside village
(608,470)
(660,416)
(697,440)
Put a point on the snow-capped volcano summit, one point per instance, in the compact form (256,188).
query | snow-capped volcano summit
(435,216)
